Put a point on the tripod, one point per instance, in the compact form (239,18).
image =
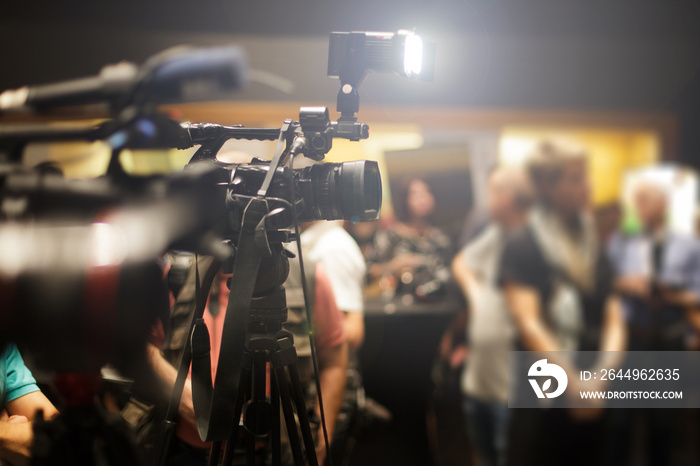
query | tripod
(264,341)
(252,331)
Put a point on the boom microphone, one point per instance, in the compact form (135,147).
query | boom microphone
(184,74)
(113,81)
(180,74)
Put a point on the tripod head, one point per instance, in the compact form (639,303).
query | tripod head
(268,308)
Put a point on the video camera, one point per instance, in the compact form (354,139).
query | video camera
(329,191)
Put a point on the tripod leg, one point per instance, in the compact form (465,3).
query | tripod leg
(257,415)
(289,420)
(286,356)
(214,453)
(230,449)
(164,442)
(299,402)
(250,449)
(276,431)
(243,392)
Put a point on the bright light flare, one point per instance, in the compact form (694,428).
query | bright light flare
(413,55)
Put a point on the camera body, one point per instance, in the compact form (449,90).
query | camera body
(328,191)
(323,191)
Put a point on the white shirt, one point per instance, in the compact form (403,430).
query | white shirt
(491,330)
(330,244)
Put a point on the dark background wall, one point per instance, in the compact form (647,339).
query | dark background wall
(628,55)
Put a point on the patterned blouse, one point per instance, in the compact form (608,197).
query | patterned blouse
(433,245)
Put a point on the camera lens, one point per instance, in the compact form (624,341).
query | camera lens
(350,191)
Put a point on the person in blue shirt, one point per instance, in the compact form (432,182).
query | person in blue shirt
(658,276)
(20,400)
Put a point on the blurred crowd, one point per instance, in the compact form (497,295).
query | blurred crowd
(550,273)
(545,270)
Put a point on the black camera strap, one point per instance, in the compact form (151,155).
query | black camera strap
(276,159)
(308,305)
(169,424)
(215,405)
